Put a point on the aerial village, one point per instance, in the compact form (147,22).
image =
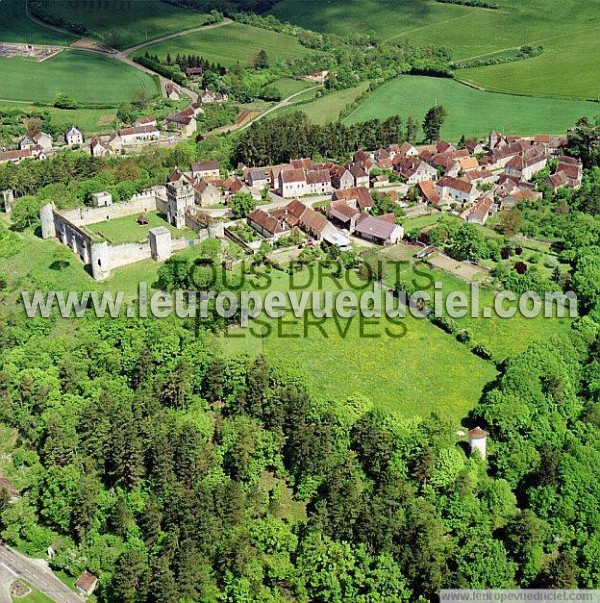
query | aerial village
(303,203)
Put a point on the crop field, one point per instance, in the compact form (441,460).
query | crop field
(86,77)
(231,44)
(16,27)
(569,33)
(471,112)
(124,23)
(343,357)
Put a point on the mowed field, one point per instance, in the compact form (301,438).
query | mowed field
(412,368)
(86,77)
(231,44)
(125,23)
(471,112)
(569,31)
(16,27)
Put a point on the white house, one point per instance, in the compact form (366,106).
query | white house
(99,148)
(206,170)
(292,183)
(40,139)
(73,136)
(456,189)
(139,134)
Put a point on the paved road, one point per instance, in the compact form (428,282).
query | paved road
(37,573)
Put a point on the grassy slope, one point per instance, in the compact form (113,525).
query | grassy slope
(16,27)
(471,112)
(232,43)
(125,23)
(85,77)
(569,32)
(288,86)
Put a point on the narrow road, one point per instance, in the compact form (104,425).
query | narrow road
(37,573)
(179,34)
(284,103)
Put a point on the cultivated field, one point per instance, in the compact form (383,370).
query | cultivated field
(125,23)
(471,112)
(16,27)
(231,44)
(569,31)
(87,78)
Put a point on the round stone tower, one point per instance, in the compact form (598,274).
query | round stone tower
(100,261)
(47,221)
(478,441)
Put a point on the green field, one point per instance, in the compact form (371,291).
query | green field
(327,107)
(125,23)
(569,30)
(471,112)
(88,78)
(288,86)
(231,44)
(127,230)
(416,371)
(16,27)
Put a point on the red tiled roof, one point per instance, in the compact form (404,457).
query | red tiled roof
(359,194)
(477,433)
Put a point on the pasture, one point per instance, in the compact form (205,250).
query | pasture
(88,78)
(16,27)
(412,368)
(231,44)
(569,33)
(470,111)
(122,24)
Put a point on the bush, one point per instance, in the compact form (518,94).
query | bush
(464,336)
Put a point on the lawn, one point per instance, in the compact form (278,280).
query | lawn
(35,596)
(127,230)
(16,27)
(327,107)
(231,44)
(86,77)
(415,371)
(471,112)
(569,32)
(125,23)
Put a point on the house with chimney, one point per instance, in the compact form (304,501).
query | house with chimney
(456,190)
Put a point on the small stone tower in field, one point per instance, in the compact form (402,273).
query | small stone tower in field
(47,221)
(478,441)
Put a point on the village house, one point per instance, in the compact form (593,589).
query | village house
(474,147)
(429,193)
(102,199)
(481,211)
(343,213)
(382,230)
(404,150)
(568,174)
(209,96)
(360,176)
(35,152)
(234,185)
(115,144)
(480,176)
(86,583)
(415,170)
(73,136)
(359,197)
(456,189)
(184,121)
(526,166)
(268,226)
(206,193)
(145,121)
(381,181)
(138,134)
(292,183)
(444,147)
(206,170)
(39,139)
(318,182)
(99,148)
(341,178)
(172,92)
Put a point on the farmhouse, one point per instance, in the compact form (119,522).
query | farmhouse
(359,197)
(429,193)
(207,170)
(184,121)
(481,210)
(267,225)
(258,178)
(456,189)
(292,183)
(318,182)
(138,134)
(525,166)
(415,170)
(172,92)
(341,178)
(404,150)
(39,139)
(343,213)
(379,230)
(568,174)
(209,96)
(99,148)
(35,152)
(360,176)
(73,136)
(206,193)
(145,121)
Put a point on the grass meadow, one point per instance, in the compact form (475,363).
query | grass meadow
(122,24)
(16,27)
(471,112)
(86,77)
(569,31)
(231,44)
